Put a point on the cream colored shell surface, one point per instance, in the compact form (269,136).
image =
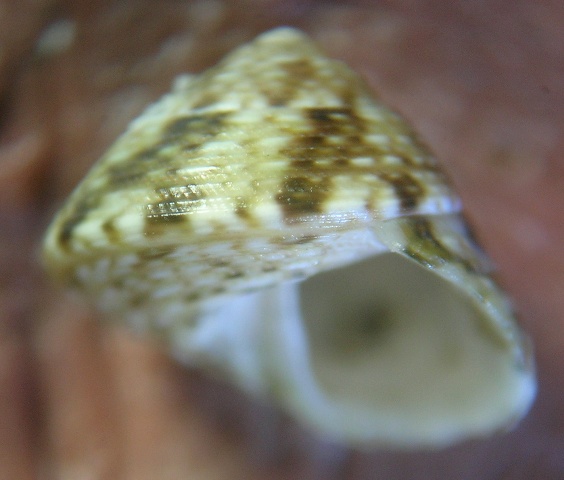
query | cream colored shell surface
(275,147)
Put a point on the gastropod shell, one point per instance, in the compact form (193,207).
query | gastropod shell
(278,227)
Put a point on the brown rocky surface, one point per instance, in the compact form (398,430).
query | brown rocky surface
(481,81)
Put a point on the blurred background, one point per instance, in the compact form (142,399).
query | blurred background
(481,81)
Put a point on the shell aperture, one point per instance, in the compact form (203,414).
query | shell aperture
(278,226)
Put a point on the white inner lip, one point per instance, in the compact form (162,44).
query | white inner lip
(382,350)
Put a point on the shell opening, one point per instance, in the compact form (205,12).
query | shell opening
(395,349)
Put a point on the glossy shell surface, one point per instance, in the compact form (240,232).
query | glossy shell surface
(276,139)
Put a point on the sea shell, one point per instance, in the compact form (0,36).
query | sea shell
(280,228)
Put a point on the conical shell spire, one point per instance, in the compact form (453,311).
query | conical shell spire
(275,136)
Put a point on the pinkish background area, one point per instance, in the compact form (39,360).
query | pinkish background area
(483,83)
